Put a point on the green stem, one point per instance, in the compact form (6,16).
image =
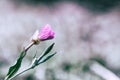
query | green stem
(20,73)
(22,55)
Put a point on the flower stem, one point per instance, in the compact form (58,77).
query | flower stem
(23,54)
(20,73)
(30,45)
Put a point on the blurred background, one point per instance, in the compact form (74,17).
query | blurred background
(85,31)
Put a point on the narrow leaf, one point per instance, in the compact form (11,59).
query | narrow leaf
(47,58)
(34,62)
(46,51)
(13,69)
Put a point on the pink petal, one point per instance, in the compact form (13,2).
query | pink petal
(46,33)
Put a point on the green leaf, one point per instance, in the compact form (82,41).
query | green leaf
(13,69)
(46,51)
(46,58)
(34,62)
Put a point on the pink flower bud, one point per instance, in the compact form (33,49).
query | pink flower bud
(46,33)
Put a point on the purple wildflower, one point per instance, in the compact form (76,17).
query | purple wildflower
(46,33)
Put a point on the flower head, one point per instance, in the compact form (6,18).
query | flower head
(46,33)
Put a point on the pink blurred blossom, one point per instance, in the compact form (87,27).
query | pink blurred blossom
(46,33)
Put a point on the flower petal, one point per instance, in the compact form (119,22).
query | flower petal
(46,33)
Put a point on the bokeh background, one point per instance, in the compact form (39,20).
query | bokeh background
(85,31)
